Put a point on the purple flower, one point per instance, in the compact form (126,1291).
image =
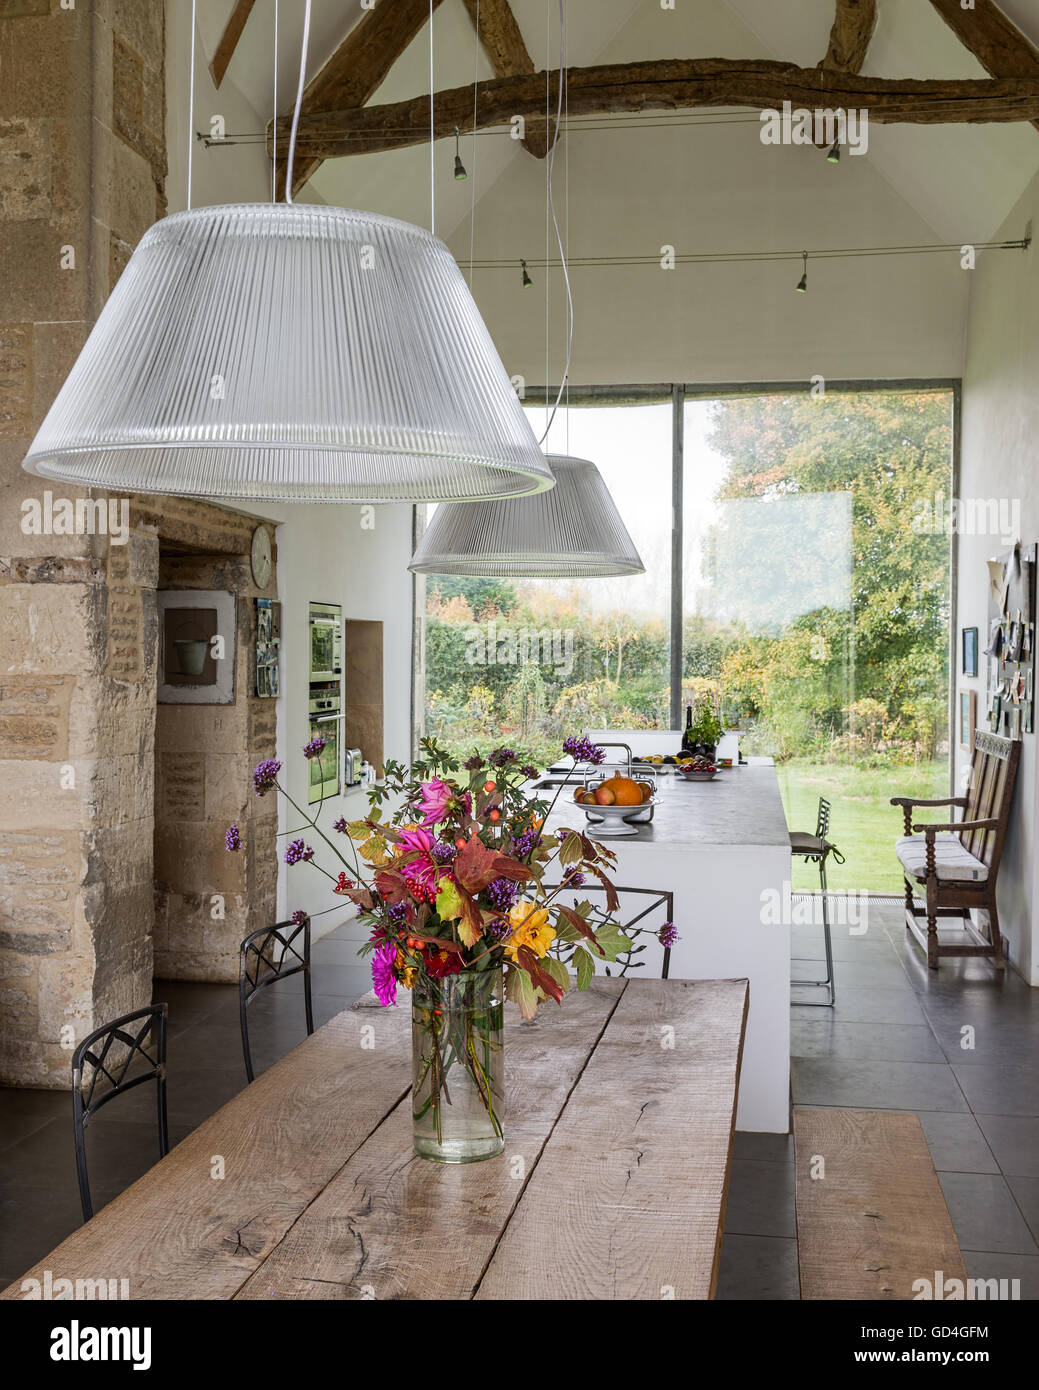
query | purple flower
(501,757)
(384,982)
(502,893)
(300,918)
(667,935)
(297,850)
(583,750)
(398,913)
(529,770)
(473,764)
(521,845)
(265,775)
(232,838)
(443,851)
(499,930)
(340,825)
(574,878)
(315,747)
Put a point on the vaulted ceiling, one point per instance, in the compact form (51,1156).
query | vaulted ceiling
(962,179)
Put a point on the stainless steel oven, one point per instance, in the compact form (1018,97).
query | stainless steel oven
(326,642)
(326,721)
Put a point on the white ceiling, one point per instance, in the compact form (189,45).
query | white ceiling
(962,180)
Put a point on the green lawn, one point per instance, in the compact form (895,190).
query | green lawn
(863,825)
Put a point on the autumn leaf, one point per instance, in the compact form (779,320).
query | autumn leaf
(540,977)
(392,887)
(520,989)
(580,926)
(454,904)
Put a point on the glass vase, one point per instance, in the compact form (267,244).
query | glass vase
(457,1044)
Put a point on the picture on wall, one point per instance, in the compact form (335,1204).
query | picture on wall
(196,646)
(968,718)
(970,651)
(268,648)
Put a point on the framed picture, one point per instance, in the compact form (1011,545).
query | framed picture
(268,648)
(196,647)
(970,651)
(968,718)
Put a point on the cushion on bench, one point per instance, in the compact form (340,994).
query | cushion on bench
(952,861)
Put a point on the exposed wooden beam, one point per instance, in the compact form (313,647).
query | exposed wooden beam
(503,43)
(853,25)
(357,69)
(229,39)
(999,46)
(669,84)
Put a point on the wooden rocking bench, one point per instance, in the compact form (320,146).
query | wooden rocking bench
(958,862)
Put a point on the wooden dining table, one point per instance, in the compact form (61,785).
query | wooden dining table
(618,1137)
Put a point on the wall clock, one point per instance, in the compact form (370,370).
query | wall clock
(261,557)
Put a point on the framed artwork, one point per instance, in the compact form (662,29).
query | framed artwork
(268,648)
(970,651)
(196,646)
(968,718)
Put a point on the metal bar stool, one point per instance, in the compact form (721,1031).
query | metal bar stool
(817,849)
(267,955)
(96,1052)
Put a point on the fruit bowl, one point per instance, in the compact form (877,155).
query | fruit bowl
(611,821)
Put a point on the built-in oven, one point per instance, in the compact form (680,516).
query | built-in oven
(326,722)
(326,642)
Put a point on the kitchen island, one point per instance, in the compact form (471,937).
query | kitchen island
(723,849)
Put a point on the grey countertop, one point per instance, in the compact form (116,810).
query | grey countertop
(741,807)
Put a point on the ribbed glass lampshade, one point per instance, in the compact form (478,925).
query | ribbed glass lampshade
(573,530)
(294,353)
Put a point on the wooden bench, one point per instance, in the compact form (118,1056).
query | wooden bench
(957,862)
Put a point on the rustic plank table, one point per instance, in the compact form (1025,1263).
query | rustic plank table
(621,1109)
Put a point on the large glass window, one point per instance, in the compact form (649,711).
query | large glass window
(812,611)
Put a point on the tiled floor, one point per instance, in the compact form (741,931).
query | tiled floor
(961,1049)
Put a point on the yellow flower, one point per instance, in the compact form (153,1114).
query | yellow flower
(530,927)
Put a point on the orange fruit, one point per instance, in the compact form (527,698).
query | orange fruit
(646,789)
(626,792)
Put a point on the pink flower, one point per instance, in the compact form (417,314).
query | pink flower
(422,872)
(437,797)
(384,981)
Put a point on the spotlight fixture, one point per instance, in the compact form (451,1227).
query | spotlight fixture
(459,166)
(527,281)
(834,154)
(802,284)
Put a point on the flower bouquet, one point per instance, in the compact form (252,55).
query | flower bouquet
(451,884)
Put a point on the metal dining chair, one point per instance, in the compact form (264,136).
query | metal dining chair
(817,849)
(662,901)
(102,1054)
(266,956)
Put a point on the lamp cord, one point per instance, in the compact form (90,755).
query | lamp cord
(555,222)
(476,83)
(290,161)
(191,101)
(274,123)
(432,157)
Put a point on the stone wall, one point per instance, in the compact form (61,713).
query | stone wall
(83,156)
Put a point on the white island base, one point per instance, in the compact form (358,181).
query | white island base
(723,849)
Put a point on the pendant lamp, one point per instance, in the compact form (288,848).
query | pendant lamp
(574,530)
(297,353)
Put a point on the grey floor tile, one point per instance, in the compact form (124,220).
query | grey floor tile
(875,1085)
(764,1148)
(15,1128)
(999,1088)
(761,1199)
(845,948)
(758,1268)
(970,1036)
(15,1101)
(956,1143)
(892,1042)
(1014,1140)
(982,1264)
(1026,1195)
(858,1005)
(32,1222)
(985,1215)
(880,974)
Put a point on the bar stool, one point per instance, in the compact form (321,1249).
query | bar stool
(817,849)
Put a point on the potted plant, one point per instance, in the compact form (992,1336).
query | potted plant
(706,731)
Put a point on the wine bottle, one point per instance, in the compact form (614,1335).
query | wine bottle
(688,742)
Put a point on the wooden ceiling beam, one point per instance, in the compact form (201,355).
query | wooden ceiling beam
(668,84)
(229,39)
(355,72)
(997,43)
(502,41)
(853,25)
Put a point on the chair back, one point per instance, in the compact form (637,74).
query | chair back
(822,819)
(643,917)
(993,773)
(111,1052)
(270,954)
